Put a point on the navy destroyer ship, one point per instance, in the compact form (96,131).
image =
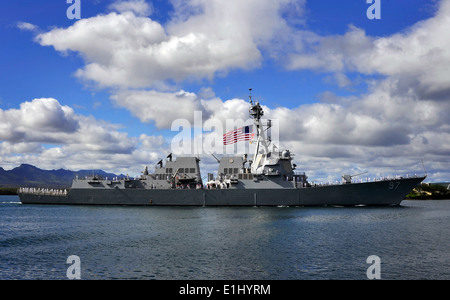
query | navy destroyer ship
(265,179)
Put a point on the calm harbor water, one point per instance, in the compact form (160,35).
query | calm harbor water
(412,241)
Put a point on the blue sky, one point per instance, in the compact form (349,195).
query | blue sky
(351,93)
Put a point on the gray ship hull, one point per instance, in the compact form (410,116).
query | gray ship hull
(388,192)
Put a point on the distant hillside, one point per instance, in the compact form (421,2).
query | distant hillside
(28,175)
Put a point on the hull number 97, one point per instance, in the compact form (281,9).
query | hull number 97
(393,185)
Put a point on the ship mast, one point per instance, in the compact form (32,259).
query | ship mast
(256,112)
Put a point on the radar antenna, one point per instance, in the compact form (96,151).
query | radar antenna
(259,158)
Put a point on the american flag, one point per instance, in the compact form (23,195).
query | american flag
(240,134)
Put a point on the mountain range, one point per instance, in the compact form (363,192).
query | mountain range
(30,176)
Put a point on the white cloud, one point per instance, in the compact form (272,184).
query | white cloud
(45,115)
(416,57)
(27,26)
(119,49)
(8,148)
(46,121)
(128,50)
(161,108)
(138,7)
(335,53)
(232,109)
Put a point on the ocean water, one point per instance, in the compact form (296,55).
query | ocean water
(258,243)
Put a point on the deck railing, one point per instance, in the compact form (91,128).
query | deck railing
(42,191)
